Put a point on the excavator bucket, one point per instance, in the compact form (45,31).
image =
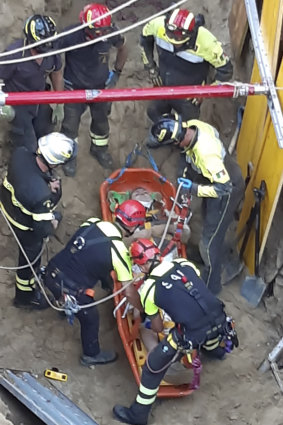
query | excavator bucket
(46,402)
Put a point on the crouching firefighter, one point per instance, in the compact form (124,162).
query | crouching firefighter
(199,317)
(91,254)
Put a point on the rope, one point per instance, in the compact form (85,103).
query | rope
(170,215)
(70,31)
(26,265)
(97,40)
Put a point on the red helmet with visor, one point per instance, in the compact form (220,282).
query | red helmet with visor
(130,213)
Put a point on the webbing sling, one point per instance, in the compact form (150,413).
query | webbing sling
(100,240)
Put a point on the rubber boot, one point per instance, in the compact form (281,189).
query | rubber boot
(137,414)
(70,168)
(102,155)
(34,300)
(103,357)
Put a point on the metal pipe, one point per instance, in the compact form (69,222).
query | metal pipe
(150,93)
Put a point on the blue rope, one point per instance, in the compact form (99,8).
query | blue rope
(131,159)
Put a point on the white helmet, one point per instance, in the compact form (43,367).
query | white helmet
(56,148)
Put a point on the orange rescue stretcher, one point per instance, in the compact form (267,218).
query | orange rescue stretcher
(125,182)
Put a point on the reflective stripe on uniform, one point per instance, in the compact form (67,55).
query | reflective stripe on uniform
(99,140)
(146,395)
(14,200)
(147,391)
(186,55)
(48,216)
(24,284)
(211,344)
(12,221)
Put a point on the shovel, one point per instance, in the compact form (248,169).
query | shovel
(254,287)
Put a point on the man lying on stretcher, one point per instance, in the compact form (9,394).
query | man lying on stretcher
(147,220)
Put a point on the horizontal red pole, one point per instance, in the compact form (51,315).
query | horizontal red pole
(89,96)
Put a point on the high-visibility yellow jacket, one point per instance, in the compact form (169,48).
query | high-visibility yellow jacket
(186,64)
(206,156)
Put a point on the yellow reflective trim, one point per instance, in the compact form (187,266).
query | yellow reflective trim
(15,202)
(124,272)
(90,221)
(24,288)
(32,30)
(176,125)
(147,391)
(24,284)
(172,342)
(145,401)
(11,220)
(99,140)
(43,216)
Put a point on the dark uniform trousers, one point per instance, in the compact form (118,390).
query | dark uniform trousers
(218,214)
(32,245)
(184,107)
(88,317)
(72,116)
(30,123)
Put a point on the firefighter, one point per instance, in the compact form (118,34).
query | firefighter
(33,121)
(29,195)
(199,317)
(91,254)
(88,68)
(216,177)
(185,50)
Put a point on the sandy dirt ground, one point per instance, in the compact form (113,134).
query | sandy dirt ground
(232,391)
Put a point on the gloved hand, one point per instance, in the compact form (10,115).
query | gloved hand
(58,114)
(57,216)
(112,79)
(155,76)
(7,113)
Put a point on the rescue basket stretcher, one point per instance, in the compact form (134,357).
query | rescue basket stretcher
(128,325)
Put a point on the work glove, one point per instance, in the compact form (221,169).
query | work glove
(57,216)
(112,79)
(153,72)
(58,114)
(7,113)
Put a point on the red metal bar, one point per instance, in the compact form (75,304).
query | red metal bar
(88,96)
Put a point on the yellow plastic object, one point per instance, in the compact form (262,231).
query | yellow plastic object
(55,374)
(257,141)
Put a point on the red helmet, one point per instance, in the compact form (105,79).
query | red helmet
(131,213)
(143,250)
(179,25)
(101,26)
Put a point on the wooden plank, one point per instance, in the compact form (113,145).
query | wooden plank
(238,27)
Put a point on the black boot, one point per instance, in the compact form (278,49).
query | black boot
(126,415)
(34,300)
(102,155)
(103,357)
(70,168)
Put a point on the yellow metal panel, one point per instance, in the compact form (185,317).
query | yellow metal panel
(251,139)
(270,169)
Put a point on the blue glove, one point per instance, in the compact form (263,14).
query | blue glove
(147,323)
(112,79)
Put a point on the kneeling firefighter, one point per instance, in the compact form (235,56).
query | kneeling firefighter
(92,253)
(199,317)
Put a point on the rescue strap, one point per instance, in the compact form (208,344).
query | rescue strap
(130,159)
(176,239)
(216,323)
(80,241)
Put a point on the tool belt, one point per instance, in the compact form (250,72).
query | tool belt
(210,336)
(59,285)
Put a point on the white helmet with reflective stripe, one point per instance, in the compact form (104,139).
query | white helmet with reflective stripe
(56,148)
